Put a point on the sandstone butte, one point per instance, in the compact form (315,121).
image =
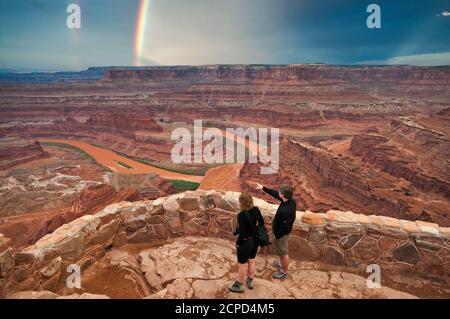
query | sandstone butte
(196,225)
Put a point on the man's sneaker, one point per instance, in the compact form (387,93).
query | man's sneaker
(277,263)
(236,287)
(280,274)
(250,282)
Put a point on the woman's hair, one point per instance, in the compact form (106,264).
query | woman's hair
(246,201)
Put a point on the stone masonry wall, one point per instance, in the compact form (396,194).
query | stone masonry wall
(339,238)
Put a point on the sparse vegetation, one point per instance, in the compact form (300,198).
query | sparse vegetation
(124,164)
(176,168)
(73,148)
(97,145)
(201,171)
(184,185)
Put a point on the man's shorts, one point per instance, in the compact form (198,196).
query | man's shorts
(247,250)
(281,245)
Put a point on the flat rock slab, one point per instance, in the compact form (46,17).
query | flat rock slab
(197,258)
(194,267)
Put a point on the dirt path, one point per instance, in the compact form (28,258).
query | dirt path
(111,160)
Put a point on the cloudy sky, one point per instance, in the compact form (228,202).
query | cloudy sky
(34,34)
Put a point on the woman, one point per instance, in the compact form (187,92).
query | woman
(247,226)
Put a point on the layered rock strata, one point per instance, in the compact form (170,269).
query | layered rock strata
(14,151)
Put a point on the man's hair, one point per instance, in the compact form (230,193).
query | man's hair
(286,191)
(246,201)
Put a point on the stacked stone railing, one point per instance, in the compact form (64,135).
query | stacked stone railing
(338,238)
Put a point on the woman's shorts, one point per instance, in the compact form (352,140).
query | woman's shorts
(246,250)
(281,245)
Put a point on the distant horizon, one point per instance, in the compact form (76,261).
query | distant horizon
(29,71)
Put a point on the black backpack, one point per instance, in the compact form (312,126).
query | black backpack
(262,238)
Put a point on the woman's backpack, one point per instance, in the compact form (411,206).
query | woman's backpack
(262,238)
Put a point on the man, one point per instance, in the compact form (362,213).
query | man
(282,226)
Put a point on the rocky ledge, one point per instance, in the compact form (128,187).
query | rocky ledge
(345,239)
(195,267)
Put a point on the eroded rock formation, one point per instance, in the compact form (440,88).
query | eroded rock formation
(428,138)
(150,186)
(89,201)
(324,181)
(14,151)
(376,150)
(95,198)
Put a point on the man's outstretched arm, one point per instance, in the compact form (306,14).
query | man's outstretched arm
(272,192)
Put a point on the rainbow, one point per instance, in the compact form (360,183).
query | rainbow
(139,35)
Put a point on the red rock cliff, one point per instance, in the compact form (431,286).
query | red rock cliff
(377,151)
(124,124)
(16,151)
(282,73)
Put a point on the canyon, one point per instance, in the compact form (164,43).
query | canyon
(374,140)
